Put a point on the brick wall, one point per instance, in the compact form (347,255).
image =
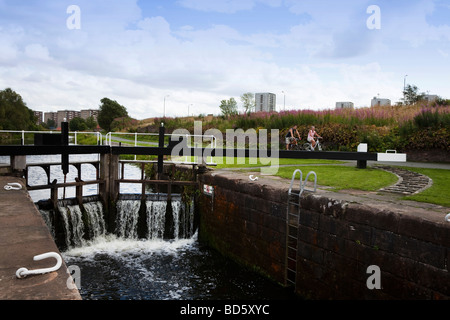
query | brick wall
(337,241)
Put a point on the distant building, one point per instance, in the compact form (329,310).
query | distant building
(430,97)
(50,116)
(343,105)
(39,117)
(380,102)
(68,115)
(60,115)
(89,113)
(265,102)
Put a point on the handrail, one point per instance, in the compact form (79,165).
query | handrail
(302,183)
(306,180)
(293,178)
(75,133)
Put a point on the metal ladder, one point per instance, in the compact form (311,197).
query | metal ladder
(292,224)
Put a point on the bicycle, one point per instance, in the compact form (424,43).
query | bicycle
(295,145)
(308,146)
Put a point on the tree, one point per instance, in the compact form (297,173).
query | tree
(14,113)
(248,101)
(91,123)
(51,124)
(110,110)
(228,107)
(411,94)
(77,124)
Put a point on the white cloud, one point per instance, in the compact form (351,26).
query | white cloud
(227,6)
(37,51)
(223,6)
(136,59)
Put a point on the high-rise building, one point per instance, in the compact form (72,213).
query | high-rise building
(50,116)
(39,116)
(60,115)
(68,115)
(265,102)
(89,113)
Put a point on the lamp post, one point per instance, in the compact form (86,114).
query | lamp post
(284,100)
(404,88)
(165,105)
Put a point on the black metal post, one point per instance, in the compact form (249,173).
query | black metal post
(162,131)
(65,142)
(361,164)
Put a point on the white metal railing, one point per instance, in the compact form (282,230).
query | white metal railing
(108,139)
(73,133)
(98,134)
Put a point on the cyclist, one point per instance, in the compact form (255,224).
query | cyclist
(290,136)
(311,134)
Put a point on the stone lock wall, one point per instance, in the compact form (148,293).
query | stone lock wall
(246,222)
(338,241)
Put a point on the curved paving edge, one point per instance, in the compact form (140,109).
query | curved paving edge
(409,182)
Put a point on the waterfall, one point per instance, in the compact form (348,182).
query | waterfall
(186,221)
(73,225)
(180,226)
(156,220)
(95,222)
(47,216)
(176,208)
(127,218)
(156,216)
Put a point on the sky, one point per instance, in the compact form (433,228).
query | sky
(165,57)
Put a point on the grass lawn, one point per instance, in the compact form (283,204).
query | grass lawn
(439,192)
(343,177)
(230,162)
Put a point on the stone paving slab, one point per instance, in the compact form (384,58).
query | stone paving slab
(409,182)
(23,235)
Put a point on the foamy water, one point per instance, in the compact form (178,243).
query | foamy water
(113,245)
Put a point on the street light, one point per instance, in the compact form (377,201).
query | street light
(404,87)
(284,102)
(165,105)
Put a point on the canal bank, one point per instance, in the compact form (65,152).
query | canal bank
(23,235)
(346,245)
